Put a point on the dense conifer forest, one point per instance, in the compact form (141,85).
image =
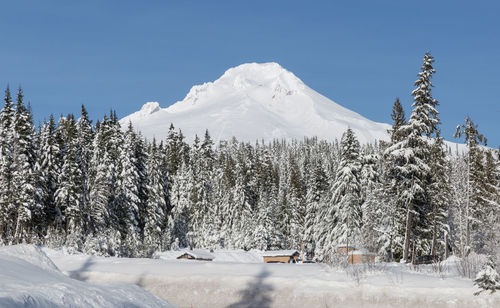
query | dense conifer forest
(100,188)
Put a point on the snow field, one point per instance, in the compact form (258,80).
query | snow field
(28,278)
(232,284)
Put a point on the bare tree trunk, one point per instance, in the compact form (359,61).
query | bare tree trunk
(466,249)
(446,252)
(408,232)
(413,252)
(434,232)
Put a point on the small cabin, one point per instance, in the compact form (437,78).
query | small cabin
(280,256)
(346,248)
(198,255)
(361,256)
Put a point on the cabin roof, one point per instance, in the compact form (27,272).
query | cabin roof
(279,253)
(352,245)
(197,254)
(362,251)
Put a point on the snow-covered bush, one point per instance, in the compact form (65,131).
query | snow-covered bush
(439,267)
(470,265)
(337,260)
(487,279)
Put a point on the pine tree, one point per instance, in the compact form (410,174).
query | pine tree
(129,187)
(97,213)
(439,192)
(181,206)
(156,205)
(411,157)
(84,152)
(346,195)
(315,200)
(49,165)
(398,120)
(424,104)
(7,206)
(488,279)
(68,196)
(24,175)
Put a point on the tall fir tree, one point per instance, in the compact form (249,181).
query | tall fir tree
(346,195)
(26,194)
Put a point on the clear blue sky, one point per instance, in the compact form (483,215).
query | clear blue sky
(361,54)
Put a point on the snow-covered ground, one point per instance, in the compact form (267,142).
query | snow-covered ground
(28,278)
(238,279)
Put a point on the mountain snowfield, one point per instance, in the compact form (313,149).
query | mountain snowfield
(255,101)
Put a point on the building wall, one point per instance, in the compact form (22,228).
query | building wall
(283,259)
(357,259)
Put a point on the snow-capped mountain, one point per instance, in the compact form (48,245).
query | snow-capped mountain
(252,102)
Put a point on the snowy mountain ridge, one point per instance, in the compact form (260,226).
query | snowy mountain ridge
(255,101)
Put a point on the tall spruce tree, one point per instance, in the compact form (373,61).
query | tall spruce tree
(129,186)
(26,194)
(7,206)
(68,196)
(155,205)
(346,195)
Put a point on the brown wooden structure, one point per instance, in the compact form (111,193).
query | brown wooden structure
(361,256)
(281,256)
(344,248)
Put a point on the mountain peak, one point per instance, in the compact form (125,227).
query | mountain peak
(255,101)
(260,74)
(267,80)
(150,107)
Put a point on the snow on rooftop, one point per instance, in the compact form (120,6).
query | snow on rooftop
(197,253)
(220,255)
(362,252)
(355,246)
(279,253)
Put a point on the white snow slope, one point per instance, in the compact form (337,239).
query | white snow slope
(28,278)
(254,102)
(235,279)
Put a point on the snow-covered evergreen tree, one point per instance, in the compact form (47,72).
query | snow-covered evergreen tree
(7,206)
(68,196)
(488,279)
(49,167)
(128,199)
(439,196)
(346,195)
(154,216)
(411,160)
(26,192)
(84,152)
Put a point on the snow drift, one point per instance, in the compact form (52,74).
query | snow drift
(254,102)
(28,278)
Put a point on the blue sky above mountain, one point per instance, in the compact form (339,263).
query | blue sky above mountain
(362,54)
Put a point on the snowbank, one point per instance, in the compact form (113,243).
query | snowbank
(28,278)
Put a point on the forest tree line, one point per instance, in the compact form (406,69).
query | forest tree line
(104,189)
